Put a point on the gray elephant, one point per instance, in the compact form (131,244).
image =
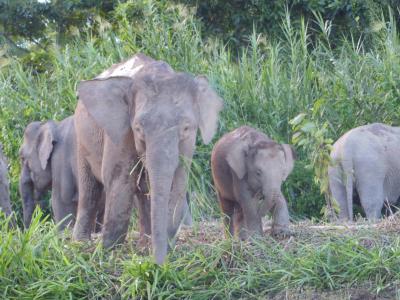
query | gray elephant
(48,159)
(366,160)
(140,110)
(248,169)
(5,204)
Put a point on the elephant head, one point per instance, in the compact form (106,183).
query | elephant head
(35,154)
(163,110)
(264,163)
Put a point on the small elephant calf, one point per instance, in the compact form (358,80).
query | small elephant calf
(48,161)
(248,169)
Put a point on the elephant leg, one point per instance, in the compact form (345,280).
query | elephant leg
(64,212)
(144,209)
(252,219)
(372,198)
(280,216)
(228,210)
(187,215)
(248,204)
(120,192)
(63,202)
(338,192)
(89,194)
(238,223)
(100,208)
(176,203)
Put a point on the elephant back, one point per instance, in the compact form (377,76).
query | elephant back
(138,63)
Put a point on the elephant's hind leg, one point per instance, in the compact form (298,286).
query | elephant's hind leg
(371,197)
(338,193)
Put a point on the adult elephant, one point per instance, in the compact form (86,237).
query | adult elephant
(366,160)
(48,160)
(140,109)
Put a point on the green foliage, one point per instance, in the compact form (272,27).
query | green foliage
(31,25)
(39,263)
(312,138)
(233,21)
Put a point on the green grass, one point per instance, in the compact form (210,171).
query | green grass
(41,264)
(264,85)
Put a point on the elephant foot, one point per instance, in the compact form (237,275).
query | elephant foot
(281,231)
(80,236)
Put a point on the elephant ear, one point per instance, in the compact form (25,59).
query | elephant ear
(47,140)
(209,104)
(290,157)
(236,158)
(107,101)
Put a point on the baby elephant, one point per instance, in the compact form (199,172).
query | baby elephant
(48,158)
(366,160)
(5,204)
(248,169)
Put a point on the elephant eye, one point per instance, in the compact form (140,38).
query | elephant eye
(186,129)
(258,172)
(138,130)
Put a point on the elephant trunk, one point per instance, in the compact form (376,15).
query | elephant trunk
(275,203)
(269,197)
(26,189)
(161,162)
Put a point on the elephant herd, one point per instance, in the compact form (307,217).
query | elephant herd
(130,144)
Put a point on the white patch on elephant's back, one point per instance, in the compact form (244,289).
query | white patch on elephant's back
(126,69)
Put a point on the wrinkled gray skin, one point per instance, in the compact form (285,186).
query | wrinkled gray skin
(248,169)
(140,108)
(366,160)
(48,159)
(5,204)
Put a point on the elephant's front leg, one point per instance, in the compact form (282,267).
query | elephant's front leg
(177,202)
(100,208)
(248,204)
(143,207)
(280,215)
(26,189)
(120,191)
(63,199)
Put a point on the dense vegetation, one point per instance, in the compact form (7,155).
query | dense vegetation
(301,86)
